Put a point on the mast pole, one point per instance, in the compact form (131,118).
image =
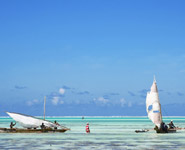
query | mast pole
(44,106)
(154,79)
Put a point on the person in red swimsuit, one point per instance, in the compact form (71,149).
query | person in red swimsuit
(87,128)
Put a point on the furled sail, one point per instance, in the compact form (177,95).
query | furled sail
(29,121)
(153,106)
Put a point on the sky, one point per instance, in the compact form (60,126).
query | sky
(91,57)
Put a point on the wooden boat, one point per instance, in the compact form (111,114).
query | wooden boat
(153,108)
(32,124)
(168,131)
(22,130)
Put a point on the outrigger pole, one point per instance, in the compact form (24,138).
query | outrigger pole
(44,106)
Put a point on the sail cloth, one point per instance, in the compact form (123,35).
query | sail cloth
(29,121)
(153,106)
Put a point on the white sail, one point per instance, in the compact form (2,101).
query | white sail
(153,106)
(29,121)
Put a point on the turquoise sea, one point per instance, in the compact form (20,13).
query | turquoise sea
(110,133)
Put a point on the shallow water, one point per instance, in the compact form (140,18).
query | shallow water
(106,133)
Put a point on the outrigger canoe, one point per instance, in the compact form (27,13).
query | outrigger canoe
(32,124)
(22,130)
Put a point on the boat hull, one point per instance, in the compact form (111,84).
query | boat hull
(168,131)
(19,130)
(139,131)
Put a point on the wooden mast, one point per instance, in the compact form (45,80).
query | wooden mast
(44,106)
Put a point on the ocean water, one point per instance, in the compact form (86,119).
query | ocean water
(110,133)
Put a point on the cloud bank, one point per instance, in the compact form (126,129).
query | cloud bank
(20,87)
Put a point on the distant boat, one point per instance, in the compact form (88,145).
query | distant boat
(32,123)
(153,108)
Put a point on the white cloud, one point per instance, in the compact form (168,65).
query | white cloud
(102,100)
(55,100)
(35,101)
(141,103)
(62,91)
(30,103)
(123,102)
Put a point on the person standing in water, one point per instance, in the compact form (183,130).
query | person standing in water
(87,129)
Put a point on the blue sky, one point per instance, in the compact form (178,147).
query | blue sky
(95,54)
